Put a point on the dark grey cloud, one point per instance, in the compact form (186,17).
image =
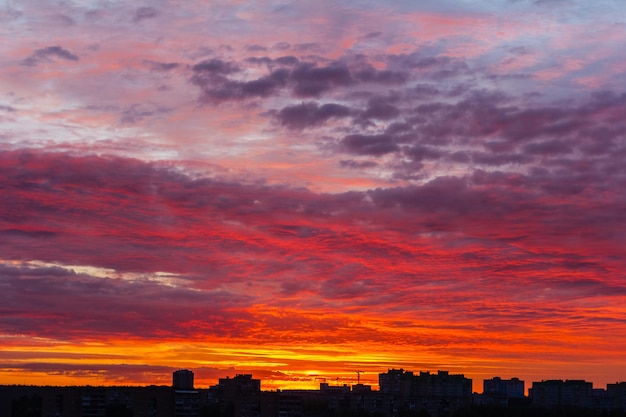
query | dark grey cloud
(460,157)
(493,131)
(303,79)
(500,159)
(163,66)
(310,47)
(283,61)
(433,67)
(421,152)
(375,145)
(259,60)
(368,74)
(287,60)
(373,35)
(212,77)
(519,50)
(256,48)
(380,108)
(136,113)
(425,91)
(352,164)
(309,80)
(551,2)
(63,20)
(45,54)
(216,67)
(310,114)
(548,147)
(281,46)
(398,128)
(144,13)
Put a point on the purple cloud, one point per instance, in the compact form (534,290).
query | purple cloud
(310,114)
(144,13)
(43,55)
(375,145)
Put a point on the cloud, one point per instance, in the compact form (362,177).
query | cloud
(311,81)
(211,76)
(373,35)
(215,67)
(104,306)
(143,13)
(423,120)
(256,48)
(136,113)
(492,131)
(288,60)
(310,114)
(162,66)
(104,247)
(375,145)
(368,74)
(420,152)
(119,374)
(433,67)
(380,108)
(500,159)
(281,46)
(548,147)
(465,187)
(352,164)
(303,79)
(45,54)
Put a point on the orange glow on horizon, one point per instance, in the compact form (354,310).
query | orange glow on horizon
(300,192)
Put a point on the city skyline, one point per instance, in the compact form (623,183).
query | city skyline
(513,387)
(400,393)
(312,189)
(185,379)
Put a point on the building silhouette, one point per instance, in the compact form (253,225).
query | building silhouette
(617,393)
(502,391)
(186,398)
(397,383)
(85,401)
(556,393)
(440,393)
(240,395)
(401,394)
(182,379)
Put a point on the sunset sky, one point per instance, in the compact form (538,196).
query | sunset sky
(303,189)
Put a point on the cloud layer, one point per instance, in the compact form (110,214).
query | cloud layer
(413,186)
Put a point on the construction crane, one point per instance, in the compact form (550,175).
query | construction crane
(358,376)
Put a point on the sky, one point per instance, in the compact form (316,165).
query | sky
(301,190)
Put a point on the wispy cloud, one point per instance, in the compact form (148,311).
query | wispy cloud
(46,54)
